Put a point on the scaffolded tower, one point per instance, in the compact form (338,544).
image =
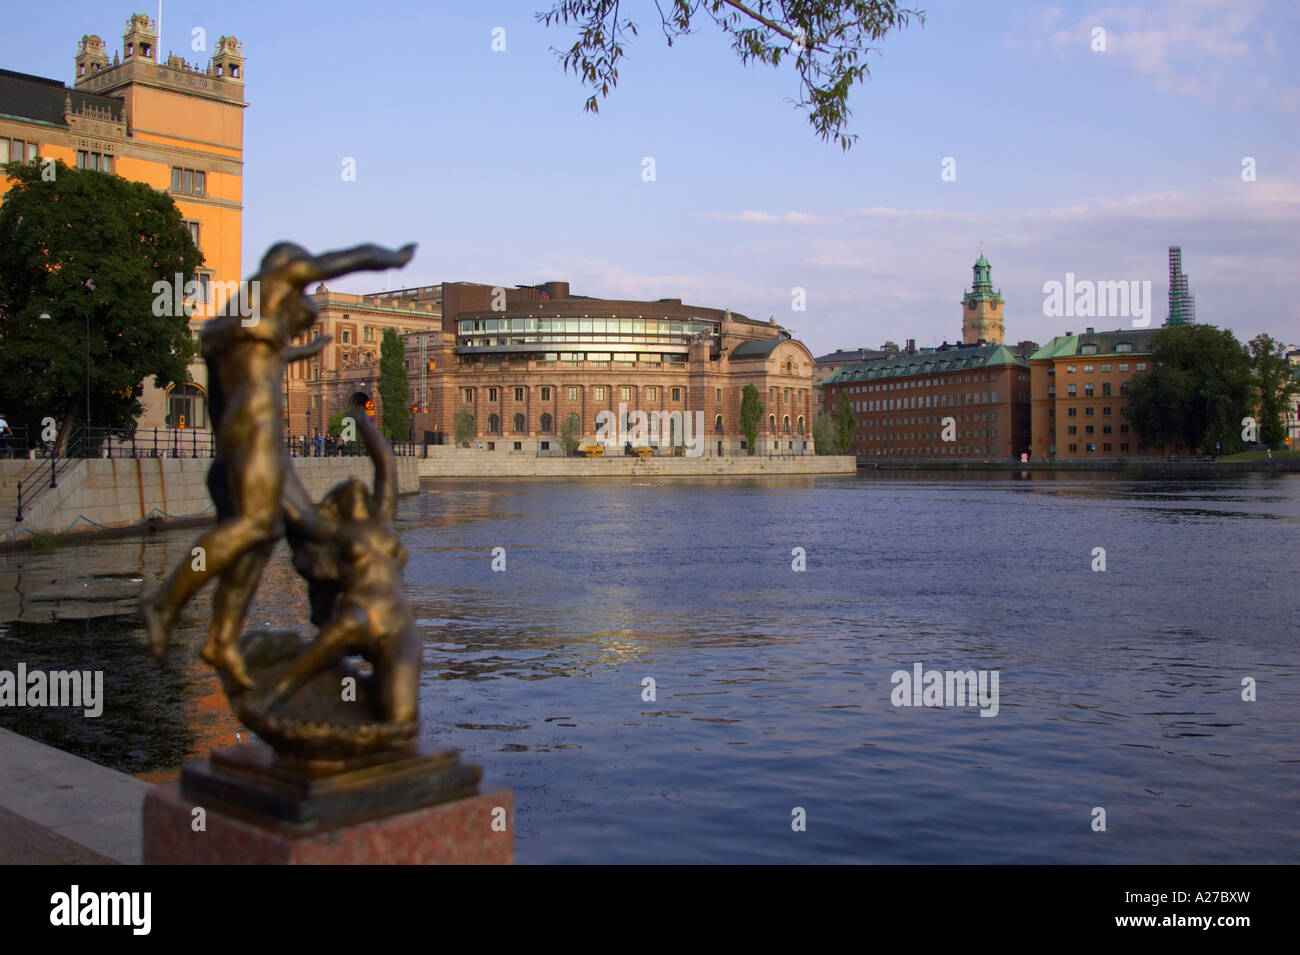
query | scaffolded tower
(1182,305)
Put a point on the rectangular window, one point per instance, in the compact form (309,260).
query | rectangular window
(1087,389)
(192,226)
(546,393)
(190,182)
(1089,430)
(1072,412)
(652,393)
(1105,367)
(469,393)
(677,394)
(1073,429)
(1070,390)
(1074,448)
(1105,429)
(1087,368)
(719,394)
(1105,389)
(492,394)
(519,445)
(625,393)
(1123,366)
(1088,412)
(347,336)
(1105,411)
(519,394)
(573,394)
(599,393)
(1071,369)
(1141,366)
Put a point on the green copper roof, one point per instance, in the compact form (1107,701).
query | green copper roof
(927,361)
(1062,346)
(1134,341)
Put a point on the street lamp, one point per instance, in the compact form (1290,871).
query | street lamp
(89,285)
(308,435)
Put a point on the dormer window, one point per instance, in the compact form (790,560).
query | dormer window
(1088,349)
(1124,346)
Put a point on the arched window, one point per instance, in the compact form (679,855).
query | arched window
(187,406)
(801,424)
(573,423)
(494,424)
(548,424)
(771,423)
(789,367)
(785,425)
(519,424)
(717,424)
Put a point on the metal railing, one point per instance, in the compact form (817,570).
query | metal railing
(52,461)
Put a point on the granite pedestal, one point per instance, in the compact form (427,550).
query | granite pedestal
(418,808)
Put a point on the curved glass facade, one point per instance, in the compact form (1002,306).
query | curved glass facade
(478,333)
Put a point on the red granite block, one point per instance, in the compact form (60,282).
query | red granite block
(451,833)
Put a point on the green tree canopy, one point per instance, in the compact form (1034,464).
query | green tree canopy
(824,434)
(465,426)
(394,388)
(845,421)
(570,433)
(83,245)
(827,39)
(751,413)
(1197,390)
(890,347)
(1276,382)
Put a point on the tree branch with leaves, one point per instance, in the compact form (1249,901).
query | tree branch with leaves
(828,39)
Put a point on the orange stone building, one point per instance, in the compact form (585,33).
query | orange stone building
(1079,387)
(176,126)
(522,361)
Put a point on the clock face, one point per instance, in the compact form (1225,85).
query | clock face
(993,306)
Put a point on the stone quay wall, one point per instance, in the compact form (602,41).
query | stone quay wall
(113,494)
(449,462)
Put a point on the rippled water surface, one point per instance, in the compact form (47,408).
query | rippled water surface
(1120,690)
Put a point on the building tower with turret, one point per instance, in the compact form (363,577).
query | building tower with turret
(981,307)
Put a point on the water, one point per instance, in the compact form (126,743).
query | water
(1119,689)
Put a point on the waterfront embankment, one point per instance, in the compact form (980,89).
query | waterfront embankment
(444,461)
(105,495)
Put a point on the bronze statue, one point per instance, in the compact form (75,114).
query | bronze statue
(248,478)
(336,716)
(371,616)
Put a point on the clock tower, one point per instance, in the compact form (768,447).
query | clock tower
(981,307)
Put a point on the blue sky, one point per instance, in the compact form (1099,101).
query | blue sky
(1067,160)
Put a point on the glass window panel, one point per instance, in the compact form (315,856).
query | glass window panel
(31,152)
(200,180)
(4,152)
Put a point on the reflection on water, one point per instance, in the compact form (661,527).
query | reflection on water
(1119,689)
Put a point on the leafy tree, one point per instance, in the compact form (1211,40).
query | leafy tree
(824,434)
(87,247)
(751,413)
(570,434)
(336,423)
(890,347)
(1275,383)
(465,427)
(828,39)
(845,421)
(394,387)
(1197,390)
